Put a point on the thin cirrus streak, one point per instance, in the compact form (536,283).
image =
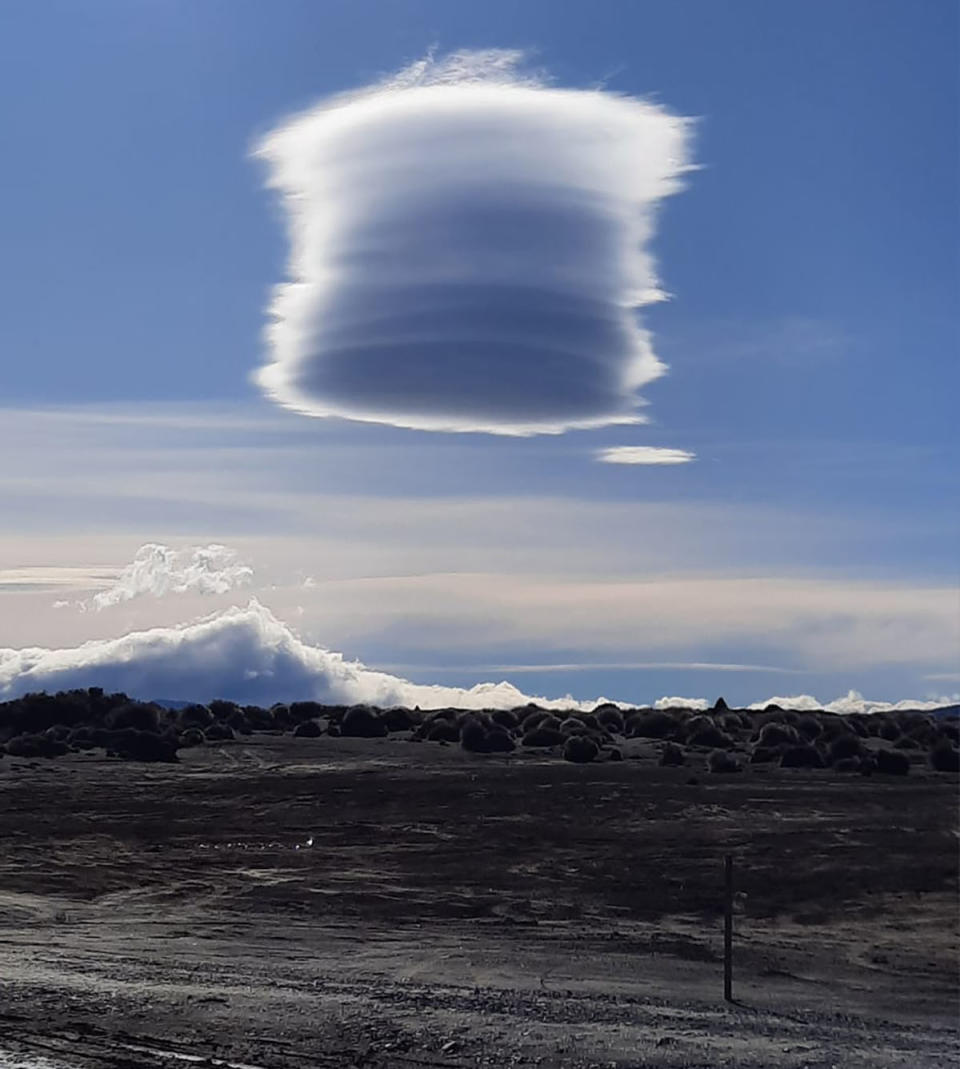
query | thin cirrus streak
(469,246)
(644,454)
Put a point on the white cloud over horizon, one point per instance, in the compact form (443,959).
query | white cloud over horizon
(248,655)
(643,454)
(469,246)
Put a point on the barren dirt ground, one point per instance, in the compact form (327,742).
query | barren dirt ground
(278,902)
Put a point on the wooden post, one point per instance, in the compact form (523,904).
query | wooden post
(728,927)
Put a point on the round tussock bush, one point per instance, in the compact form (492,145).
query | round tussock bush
(654,724)
(613,754)
(801,757)
(590,719)
(398,719)
(573,726)
(605,708)
(541,736)
(809,727)
(443,730)
(844,746)
(192,737)
(550,722)
(580,749)
(949,731)
(533,720)
(944,757)
(333,731)
(30,745)
(473,736)
(774,734)
(505,718)
(194,716)
(710,736)
(907,742)
(499,740)
(239,722)
(672,755)
(722,761)
(889,730)
(218,732)
(259,719)
(762,755)
(360,722)
(134,745)
(308,729)
(611,718)
(223,710)
(858,725)
(134,715)
(846,764)
(892,762)
(307,710)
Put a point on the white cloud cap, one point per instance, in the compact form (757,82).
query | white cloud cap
(468,249)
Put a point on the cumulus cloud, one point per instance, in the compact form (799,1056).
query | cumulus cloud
(643,454)
(469,248)
(243,654)
(157,570)
(248,655)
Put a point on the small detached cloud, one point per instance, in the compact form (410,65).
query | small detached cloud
(643,454)
(157,570)
(469,246)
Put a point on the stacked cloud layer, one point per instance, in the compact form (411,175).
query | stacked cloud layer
(468,250)
(249,656)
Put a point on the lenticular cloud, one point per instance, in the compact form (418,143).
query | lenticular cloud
(469,247)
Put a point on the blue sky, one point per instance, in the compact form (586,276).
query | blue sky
(811,339)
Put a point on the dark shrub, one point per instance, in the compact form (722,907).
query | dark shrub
(81,738)
(589,719)
(611,718)
(720,706)
(398,719)
(541,736)
(473,736)
(134,715)
(308,729)
(59,732)
(907,742)
(573,726)
(846,764)
(613,754)
(844,746)
(605,708)
(239,722)
(801,757)
(259,719)
(360,722)
(223,710)
(710,736)
(858,725)
(721,761)
(672,755)
(499,740)
(809,727)
(761,755)
(306,710)
(194,716)
(218,732)
(134,745)
(944,757)
(506,719)
(443,730)
(533,720)
(949,731)
(653,724)
(333,731)
(192,737)
(889,730)
(580,749)
(773,734)
(892,762)
(30,745)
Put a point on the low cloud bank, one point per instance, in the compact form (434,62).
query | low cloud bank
(468,248)
(157,570)
(852,702)
(248,655)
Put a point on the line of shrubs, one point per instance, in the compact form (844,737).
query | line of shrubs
(726,740)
